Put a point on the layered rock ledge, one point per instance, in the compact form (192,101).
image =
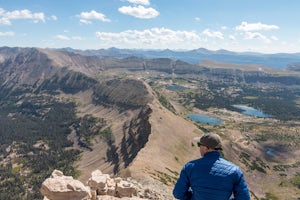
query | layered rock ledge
(99,187)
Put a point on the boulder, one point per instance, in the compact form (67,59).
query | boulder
(100,187)
(60,187)
(125,189)
(111,187)
(98,182)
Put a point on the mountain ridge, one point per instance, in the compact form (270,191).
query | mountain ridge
(76,112)
(275,60)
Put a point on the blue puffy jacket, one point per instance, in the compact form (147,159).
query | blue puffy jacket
(211,178)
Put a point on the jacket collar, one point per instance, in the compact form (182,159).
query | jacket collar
(212,154)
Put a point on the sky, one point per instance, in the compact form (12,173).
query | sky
(266,26)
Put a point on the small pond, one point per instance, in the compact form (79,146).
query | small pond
(175,87)
(270,151)
(204,119)
(251,111)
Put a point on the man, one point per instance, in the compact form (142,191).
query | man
(211,177)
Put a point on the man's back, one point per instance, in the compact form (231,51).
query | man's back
(211,177)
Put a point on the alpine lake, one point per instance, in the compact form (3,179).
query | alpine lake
(246,110)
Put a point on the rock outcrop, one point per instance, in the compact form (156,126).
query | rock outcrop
(99,186)
(60,187)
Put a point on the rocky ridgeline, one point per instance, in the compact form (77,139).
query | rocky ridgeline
(99,187)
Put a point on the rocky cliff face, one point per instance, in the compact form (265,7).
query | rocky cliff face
(124,93)
(32,70)
(32,79)
(136,135)
(27,69)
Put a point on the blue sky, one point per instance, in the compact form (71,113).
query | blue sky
(267,26)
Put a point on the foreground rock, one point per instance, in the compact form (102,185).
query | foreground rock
(60,187)
(104,185)
(100,186)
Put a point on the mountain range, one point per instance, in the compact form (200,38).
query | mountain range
(277,61)
(78,111)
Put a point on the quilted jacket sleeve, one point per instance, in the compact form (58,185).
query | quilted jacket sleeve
(182,188)
(240,190)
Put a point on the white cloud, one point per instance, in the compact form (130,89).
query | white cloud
(5,21)
(63,37)
(256,35)
(142,2)
(76,38)
(86,17)
(214,34)
(231,37)
(274,38)
(53,17)
(197,19)
(153,38)
(6,17)
(139,12)
(245,26)
(84,21)
(9,33)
